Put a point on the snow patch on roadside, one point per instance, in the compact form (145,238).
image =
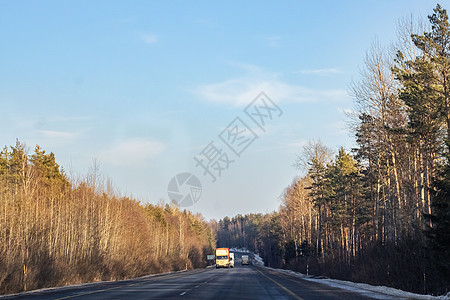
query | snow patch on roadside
(376,292)
(257,260)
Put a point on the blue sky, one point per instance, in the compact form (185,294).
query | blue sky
(143,86)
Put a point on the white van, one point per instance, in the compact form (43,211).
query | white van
(231,259)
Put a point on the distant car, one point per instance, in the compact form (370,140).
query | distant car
(245,260)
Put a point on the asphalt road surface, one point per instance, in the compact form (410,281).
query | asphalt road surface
(241,282)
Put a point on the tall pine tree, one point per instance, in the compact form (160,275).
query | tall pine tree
(438,233)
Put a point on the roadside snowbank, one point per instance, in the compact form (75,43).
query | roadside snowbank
(258,261)
(376,292)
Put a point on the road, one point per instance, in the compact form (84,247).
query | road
(241,282)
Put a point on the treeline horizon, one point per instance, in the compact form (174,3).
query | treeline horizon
(56,231)
(379,214)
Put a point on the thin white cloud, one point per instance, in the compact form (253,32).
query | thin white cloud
(57,134)
(249,68)
(57,121)
(241,91)
(149,38)
(131,151)
(320,71)
(38,123)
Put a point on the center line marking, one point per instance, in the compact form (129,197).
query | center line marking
(182,293)
(282,286)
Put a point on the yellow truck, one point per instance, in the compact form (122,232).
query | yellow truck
(222,258)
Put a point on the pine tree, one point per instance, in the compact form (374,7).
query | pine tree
(436,45)
(425,89)
(47,168)
(439,233)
